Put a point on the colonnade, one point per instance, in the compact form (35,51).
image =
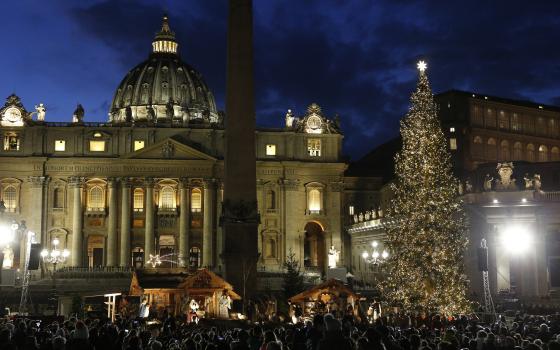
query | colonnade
(120,254)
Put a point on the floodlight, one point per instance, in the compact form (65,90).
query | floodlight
(516,239)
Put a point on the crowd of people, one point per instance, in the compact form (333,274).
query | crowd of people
(323,331)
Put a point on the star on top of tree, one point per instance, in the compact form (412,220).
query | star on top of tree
(422,65)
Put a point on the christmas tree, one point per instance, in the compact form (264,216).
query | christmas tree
(426,236)
(293,279)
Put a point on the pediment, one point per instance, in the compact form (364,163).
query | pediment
(169,149)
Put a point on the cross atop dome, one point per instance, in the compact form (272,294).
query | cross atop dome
(165,42)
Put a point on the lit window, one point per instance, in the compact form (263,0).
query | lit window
(97,134)
(138,144)
(351,210)
(314,147)
(453,143)
(452,129)
(10,199)
(314,201)
(96,146)
(96,200)
(271,150)
(60,146)
(11,141)
(196,200)
(167,198)
(138,200)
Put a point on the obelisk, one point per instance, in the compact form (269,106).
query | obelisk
(239,215)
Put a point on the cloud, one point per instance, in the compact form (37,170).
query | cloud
(355,58)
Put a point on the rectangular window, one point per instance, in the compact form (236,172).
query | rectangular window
(452,129)
(138,200)
(351,210)
(196,200)
(314,147)
(453,143)
(96,146)
(271,150)
(59,146)
(138,144)
(11,141)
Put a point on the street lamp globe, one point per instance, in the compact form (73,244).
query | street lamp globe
(385,254)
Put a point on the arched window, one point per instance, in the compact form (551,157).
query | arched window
(555,154)
(491,149)
(517,151)
(314,201)
(270,199)
(543,153)
(196,200)
(194,257)
(504,150)
(96,198)
(530,152)
(138,199)
(58,198)
(167,198)
(10,198)
(477,147)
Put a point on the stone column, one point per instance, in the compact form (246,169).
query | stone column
(76,255)
(184,221)
(125,222)
(219,231)
(36,218)
(208,224)
(149,224)
(112,224)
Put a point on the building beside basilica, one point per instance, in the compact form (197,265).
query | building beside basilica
(507,155)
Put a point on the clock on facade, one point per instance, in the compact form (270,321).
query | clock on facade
(12,117)
(314,124)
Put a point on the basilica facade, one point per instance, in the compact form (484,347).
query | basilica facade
(149,181)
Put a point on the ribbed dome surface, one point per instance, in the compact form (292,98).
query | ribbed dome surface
(165,85)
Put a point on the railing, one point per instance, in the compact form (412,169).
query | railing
(93,272)
(548,196)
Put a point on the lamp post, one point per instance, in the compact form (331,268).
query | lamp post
(55,256)
(375,258)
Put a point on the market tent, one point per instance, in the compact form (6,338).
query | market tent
(332,286)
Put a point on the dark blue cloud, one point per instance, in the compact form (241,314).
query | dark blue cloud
(355,58)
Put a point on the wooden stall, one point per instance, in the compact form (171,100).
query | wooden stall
(331,296)
(172,290)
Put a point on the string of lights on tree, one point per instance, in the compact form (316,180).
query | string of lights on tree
(427,238)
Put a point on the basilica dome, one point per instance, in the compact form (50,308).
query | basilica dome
(163,88)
